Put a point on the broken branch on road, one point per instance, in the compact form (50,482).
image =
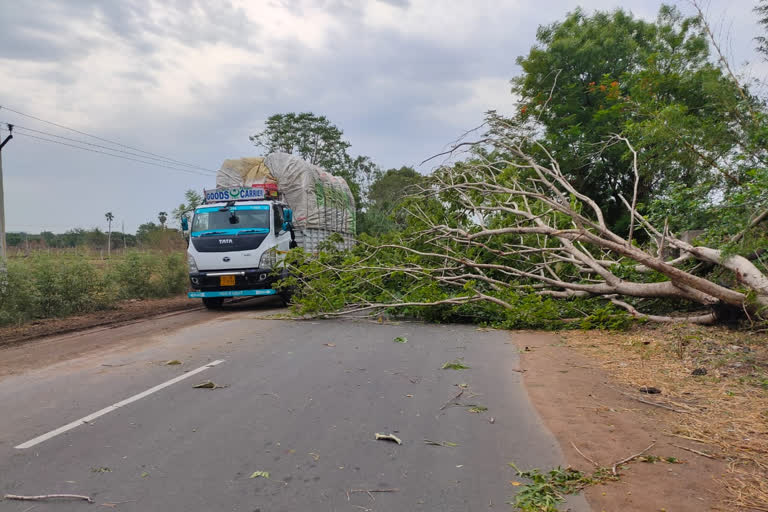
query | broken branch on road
(48,497)
(631,457)
(388,437)
(369,492)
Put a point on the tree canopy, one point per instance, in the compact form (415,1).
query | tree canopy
(592,77)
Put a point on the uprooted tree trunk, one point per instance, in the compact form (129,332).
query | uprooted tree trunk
(527,227)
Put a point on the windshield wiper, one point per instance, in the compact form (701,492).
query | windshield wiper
(256,230)
(209,233)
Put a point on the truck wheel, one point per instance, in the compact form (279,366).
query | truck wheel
(286,296)
(213,302)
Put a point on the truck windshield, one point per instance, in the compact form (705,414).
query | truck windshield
(233,219)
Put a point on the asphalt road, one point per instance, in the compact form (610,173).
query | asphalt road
(301,400)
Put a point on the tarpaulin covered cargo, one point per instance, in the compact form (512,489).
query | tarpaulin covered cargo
(319,200)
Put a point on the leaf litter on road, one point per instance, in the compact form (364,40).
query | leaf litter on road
(388,437)
(400,339)
(172,362)
(260,474)
(456,364)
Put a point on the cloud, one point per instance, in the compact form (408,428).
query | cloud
(193,78)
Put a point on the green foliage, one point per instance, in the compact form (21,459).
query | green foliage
(456,364)
(546,490)
(315,139)
(47,287)
(43,286)
(607,318)
(591,77)
(148,275)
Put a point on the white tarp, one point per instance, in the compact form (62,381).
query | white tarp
(318,199)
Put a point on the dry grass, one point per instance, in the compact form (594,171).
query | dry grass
(728,406)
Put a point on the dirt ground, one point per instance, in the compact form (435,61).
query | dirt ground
(124,312)
(586,388)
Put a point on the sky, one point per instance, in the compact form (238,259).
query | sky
(192,79)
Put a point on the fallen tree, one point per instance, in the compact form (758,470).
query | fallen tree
(504,222)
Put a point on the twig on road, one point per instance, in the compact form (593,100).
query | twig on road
(697,452)
(369,491)
(622,461)
(582,454)
(663,406)
(452,400)
(47,497)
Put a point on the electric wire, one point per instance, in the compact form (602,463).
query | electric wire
(170,160)
(190,171)
(19,127)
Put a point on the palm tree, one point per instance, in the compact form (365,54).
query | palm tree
(109,218)
(162,217)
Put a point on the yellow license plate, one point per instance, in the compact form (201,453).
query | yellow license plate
(227,280)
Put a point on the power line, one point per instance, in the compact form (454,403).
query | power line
(98,145)
(191,171)
(172,160)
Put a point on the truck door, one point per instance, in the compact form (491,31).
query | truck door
(283,236)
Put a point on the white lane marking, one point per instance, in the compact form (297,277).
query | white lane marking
(102,412)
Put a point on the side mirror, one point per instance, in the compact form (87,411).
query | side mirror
(288,215)
(184,223)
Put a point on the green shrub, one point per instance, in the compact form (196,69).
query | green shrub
(148,275)
(43,287)
(607,318)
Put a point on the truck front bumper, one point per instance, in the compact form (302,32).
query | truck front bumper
(232,293)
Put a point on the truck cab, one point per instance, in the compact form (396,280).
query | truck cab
(236,240)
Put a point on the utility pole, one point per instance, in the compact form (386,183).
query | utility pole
(3,247)
(122,230)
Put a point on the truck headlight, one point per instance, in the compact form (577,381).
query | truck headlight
(192,263)
(268,259)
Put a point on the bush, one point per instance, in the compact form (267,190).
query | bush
(45,286)
(148,275)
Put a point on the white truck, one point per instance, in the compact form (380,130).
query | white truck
(259,210)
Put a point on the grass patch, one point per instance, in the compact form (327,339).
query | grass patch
(456,364)
(729,403)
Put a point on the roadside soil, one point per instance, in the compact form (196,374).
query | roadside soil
(586,385)
(123,312)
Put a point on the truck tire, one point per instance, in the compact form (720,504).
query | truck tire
(213,302)
(286,295)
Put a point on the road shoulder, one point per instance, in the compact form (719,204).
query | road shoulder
(583,406)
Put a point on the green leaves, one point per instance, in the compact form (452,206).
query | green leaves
(400,339)
(260,474)
(456,364)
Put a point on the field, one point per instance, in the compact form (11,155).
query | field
(61,282)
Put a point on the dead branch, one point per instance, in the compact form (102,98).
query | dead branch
(48,497)
(582,454)
(663,406)
(369,492)
(631,457)
(697,452)
(452,400)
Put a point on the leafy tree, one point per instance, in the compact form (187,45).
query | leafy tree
(144,230)
(385,196)
(193,200)
(162,217)
(762,11)
(307,135)
(592,77)
(319,142)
